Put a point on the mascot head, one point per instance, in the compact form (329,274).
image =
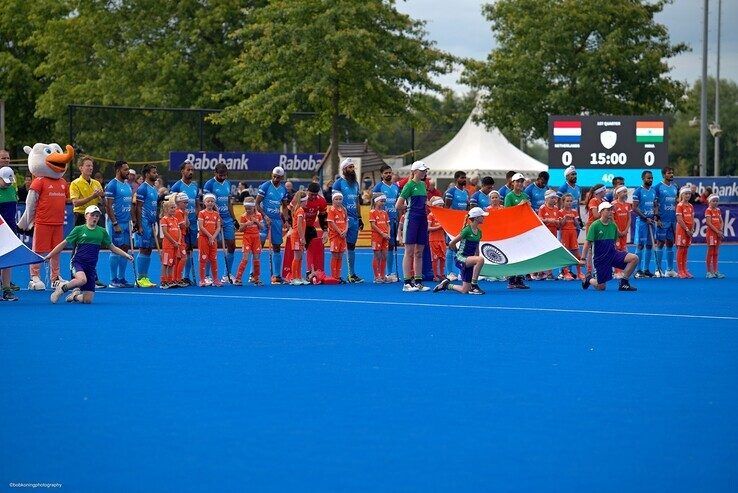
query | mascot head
(48,160)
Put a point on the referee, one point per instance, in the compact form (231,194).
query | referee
(84,192)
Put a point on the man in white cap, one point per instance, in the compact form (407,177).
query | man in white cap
(8,206)
(271,202)
(515,197)
(601,237)
(351,191)
(132,180)
(415,233)
(189,187)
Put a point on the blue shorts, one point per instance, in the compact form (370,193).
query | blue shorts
(352,235)
(603,269)
(90,273)
(145,239)
(121,239)
(229,229)
(416,230)
(275,230)
(642,235)
(466,272)
(666,231)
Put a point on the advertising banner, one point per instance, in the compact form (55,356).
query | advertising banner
(246,161)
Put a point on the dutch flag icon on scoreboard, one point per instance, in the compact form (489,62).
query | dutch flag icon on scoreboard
(569,132)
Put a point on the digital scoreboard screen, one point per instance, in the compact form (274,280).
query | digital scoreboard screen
(601,147)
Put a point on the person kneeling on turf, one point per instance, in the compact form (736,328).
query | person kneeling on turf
(601,237)
(466,255)
(87,240)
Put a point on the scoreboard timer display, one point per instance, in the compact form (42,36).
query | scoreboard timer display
(601,147)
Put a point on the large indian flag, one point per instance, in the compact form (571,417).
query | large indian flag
(649,132)
(514,241)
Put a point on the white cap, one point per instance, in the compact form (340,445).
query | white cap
(181,197)
(604,205)
(347,162)
(336,195)
(620,189)
(249,202)
(600,190)
(419,166)
(380,197)
(304,198)
(517,176)
(685,189)
(131,171)
(550,193)
(712,197)
(436,201)
(493,192)
(477,212)
(278,170)
(92,208)
(209,196)
(570,170)
(7,175)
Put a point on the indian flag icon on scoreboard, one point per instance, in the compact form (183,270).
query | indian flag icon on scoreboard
(567,132)
(649,132)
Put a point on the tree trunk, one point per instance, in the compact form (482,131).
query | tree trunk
(333,164)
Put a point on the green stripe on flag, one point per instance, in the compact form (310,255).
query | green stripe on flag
(560,257)
(646,139)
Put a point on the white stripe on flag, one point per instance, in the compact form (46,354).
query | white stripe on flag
(533,243)
(563,131)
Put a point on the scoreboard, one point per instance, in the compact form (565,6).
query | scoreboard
(602,146)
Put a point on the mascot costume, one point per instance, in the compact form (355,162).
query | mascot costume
(46,204)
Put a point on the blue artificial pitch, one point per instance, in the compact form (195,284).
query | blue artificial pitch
(365,388)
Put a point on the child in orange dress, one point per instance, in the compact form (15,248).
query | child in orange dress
(250,225)
(621,216)
(337,229)
(495,201)
(181,200)
(714,237)
(208,222)
(437,242)
(569,235)
(379,220)
(172,251)
(297,235)
(684,231)
(551,218)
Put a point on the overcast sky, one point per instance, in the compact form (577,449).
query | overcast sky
(457,26)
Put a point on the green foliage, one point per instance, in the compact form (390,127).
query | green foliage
(359,61)
(684,140)
(573,57)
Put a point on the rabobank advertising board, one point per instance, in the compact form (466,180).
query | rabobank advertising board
(246,161)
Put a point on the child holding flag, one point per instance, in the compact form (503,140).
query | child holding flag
(468,260)
(87,240)
(250,225)
(337,229)
(437,241)
(379,220)
(684,231)
(208,223)
(714,222)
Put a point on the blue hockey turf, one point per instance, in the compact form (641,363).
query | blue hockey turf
(365,388)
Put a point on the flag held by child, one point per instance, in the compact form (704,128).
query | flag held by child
(12,251)
(514,241)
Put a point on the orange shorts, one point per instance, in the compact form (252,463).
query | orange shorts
(621,243)
(712,239)
(338,245)
(208,251)
(168,256)
(252,243)
(46,237)
(569,239)
(682,238)
(438,249)
(380,244)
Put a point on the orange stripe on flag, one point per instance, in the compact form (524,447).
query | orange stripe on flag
(649,124)
(499,225)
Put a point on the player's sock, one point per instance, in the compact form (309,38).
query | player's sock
(659,253)
(229,256)
(113,262)
(670,257)
(256,267)
(390,262)
(122,264)
(336,267)
(352,261)
(277,263)
(679,260)
(143,262)
(187,267)
(449,261)
(241,267)
(647,260)
(639,252)
(375,267)
(202,270)
(214,270)
(383,267)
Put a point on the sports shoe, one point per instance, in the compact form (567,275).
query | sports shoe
(671,273)
(475,289)
(639,274)
(689,275)
(647,273)
(562,276)
(419,285)
(115,284)
(354,279)
(238,281)
(165,285)
(204,284)
(208,281)
(409,287)
(57,282)
(71,296)
(14,287)
(277,280)
(391,278)
(8,295)
(217,284)
(710,275)
(719,275)
(585,283)
(182,283)
(145,282)
(57,292)
(550,277)
(658,274)
(378,280)
(452,277)
(125,284)
(296,282)
(225,279)
(625,286)
(100,285)
(442,286)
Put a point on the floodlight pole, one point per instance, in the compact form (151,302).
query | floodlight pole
(717,94)
(703,94)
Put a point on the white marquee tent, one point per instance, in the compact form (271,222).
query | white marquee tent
(479,151)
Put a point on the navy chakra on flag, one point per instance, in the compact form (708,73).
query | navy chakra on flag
(493,254)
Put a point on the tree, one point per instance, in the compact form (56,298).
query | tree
(684,139)
(573,57)
(357,60)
